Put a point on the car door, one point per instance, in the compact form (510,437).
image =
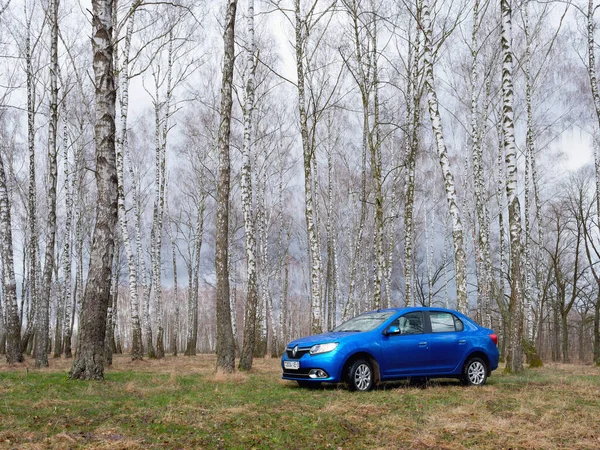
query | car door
(404,346)
(448,342)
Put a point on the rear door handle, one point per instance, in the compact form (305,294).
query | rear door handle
(462,341)
(423,344)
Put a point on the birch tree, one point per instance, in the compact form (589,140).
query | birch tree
(515,325)
(32,193)
(303,24)
(413,118)
(89,361)
(123,83)
(591,46)
(43,311)
(246,187)
(225,341)
(436,125)
(9,283)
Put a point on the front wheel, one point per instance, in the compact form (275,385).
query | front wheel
(360,376)
(475,372)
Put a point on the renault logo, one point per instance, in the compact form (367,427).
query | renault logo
(294,351)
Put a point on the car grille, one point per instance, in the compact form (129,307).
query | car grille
(299,354)
(300,373)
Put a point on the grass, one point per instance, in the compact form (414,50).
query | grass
(178,402)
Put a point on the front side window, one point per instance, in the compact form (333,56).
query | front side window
(365,322)
(411,323)
(443,322)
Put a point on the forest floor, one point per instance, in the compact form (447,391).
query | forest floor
(178,402)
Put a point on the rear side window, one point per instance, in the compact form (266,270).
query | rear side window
(443,322)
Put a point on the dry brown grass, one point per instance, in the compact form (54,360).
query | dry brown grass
(179,402)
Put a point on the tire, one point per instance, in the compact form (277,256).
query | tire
(475,372)
(361,376)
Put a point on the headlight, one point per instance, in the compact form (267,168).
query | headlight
(323,348)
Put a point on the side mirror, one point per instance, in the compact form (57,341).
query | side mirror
(393,329)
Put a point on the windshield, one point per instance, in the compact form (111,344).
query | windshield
(365,322)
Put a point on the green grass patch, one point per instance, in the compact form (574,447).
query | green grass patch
(179,403)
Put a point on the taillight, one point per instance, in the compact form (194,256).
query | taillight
(494,338)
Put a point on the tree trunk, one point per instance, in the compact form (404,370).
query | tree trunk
(436,125)
(307,151)
(111,314)
(67,248)
(32,195)
(515,326)
(175,332)
(14,352)
(89,360)
(159,206)
(246,188)
(43,311)
(225,341)
(597,329)
(413,117)
(137,350)
(193,272)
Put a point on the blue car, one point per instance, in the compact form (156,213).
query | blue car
(394,344)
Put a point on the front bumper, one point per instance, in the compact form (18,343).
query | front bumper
(325,361)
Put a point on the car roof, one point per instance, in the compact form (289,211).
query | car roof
(414,308)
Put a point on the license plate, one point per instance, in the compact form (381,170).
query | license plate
(295,365)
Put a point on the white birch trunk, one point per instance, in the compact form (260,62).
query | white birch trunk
(9,283)
(515,327)
(315,257)
(43,311)
(32,194)
(436,125)
(529,151)
(123,82)
(246,191)
(67,254)
(88,363)
(477,132)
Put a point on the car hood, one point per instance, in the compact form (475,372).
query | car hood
(309,341)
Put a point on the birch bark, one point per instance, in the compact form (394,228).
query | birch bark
(137,350)
(225,341)
(362,79)
(591,26)
(515,325)
(32,195)
(309,208)
(529,151)
(65,293)
(193,272)
(436,125)
(477,132)
(9,283)
(43,311)
(89,360)
(246,187)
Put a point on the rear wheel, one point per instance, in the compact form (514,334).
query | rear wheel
(360,376)
(475,372)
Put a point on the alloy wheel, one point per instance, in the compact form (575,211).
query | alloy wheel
(476,373)
(362,377)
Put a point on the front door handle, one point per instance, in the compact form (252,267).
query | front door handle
(423,344)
